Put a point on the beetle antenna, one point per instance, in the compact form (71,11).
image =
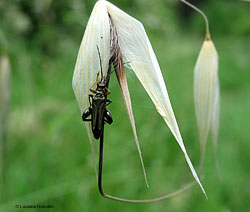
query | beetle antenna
(100,59)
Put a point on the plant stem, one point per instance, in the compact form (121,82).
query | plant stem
(4,104)
(208,37)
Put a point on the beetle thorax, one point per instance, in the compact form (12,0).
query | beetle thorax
(100,95)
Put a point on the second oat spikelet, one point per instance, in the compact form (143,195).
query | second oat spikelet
(206,92)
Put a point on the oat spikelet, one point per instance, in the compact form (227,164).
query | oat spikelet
(206,92)
(136,51)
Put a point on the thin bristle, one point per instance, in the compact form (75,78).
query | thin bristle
(208,37)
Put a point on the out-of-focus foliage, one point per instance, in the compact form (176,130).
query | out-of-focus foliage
(48,154)
(227,18)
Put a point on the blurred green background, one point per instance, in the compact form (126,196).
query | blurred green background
(48,157)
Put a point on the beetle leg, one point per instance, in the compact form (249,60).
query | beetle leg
(107,91)
(94,84)
(86,114)
(93,91)
(108,101)
(108,117)
(90,98)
